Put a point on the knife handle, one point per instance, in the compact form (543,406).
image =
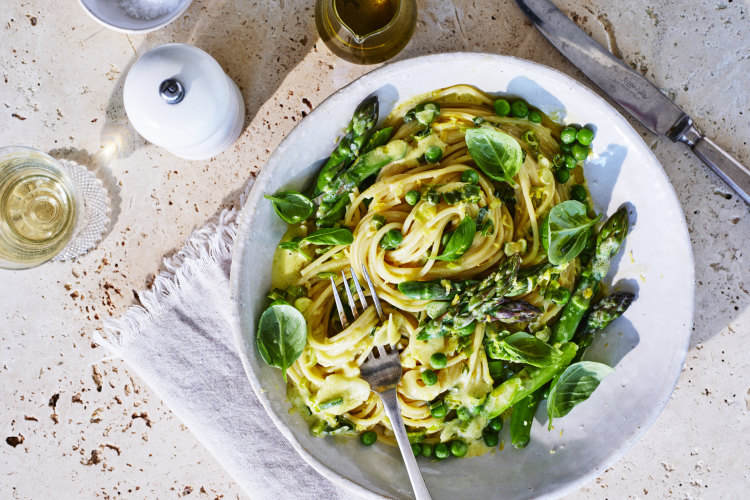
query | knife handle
(734,173)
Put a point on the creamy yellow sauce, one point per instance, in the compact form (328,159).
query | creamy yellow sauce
(287,265)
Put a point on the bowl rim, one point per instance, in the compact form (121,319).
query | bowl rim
(133,31)
(243,228)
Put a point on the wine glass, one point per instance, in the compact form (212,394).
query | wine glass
(48,208)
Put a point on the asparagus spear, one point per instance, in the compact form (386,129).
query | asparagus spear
(528,279)
(331,213)
(332,207)
(522,417)
(512,311)
(439,289)
(523,383)
(495,285)
(483,302)
(377,139)
(601,314)
(365,166)
(608,243)
(364,119)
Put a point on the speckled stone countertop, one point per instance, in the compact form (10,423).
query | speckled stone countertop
(73,426)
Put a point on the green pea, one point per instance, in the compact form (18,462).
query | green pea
(578,192)
(427,450)
(429,378)
(438,360)
(446,237)
(579,151)
(412,197)
(439,411)
(470,176)
(568,135)
(570,161)
(416,449)
(496,424)
(441,451)
(433,154)
(565,148)
(562,175)
(392,239)
(502,107)
(491,439)
(535,116)
(377,221)
(463,414)
(519,109)
(585,136)
(368,438)
(459,448)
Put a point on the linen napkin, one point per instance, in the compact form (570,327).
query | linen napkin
(180,340)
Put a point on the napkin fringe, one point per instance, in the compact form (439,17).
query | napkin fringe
(206,246)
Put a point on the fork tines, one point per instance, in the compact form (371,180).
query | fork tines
(350,296)
(374,296)
(375,352)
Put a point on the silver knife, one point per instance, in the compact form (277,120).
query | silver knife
(633,92)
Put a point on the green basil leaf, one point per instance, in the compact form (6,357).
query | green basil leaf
(565,231)
(291,245)
(460,240)
(524,348)
(281,337)
(291,206)
(496,153)
(330,236)
(574,386)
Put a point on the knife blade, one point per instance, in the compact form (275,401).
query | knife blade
(633,92)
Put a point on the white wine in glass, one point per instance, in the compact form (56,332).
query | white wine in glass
(39,207)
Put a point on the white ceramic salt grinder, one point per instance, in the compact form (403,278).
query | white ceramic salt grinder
(178,97)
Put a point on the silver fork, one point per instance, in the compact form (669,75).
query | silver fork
(382,370)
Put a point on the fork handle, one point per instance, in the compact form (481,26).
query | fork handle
(390,403)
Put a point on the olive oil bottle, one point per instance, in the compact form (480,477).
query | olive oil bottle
(365,31)
(38,208)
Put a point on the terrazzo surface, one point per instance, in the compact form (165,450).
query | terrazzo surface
(76,426)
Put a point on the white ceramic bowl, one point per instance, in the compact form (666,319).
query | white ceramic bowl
(110,14)
(647,345)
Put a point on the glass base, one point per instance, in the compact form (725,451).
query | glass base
(96,212)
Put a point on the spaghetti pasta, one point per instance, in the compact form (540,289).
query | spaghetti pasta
(508,218)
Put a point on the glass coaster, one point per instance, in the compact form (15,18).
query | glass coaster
(97,208)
